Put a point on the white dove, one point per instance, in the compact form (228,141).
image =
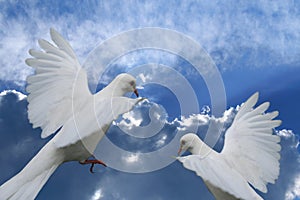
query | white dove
(60,101)
(250,155)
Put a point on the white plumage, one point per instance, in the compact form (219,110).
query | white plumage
(59,97)
(250,154)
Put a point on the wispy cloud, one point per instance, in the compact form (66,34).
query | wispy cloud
(252,34)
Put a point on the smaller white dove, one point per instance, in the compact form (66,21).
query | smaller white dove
(250,155)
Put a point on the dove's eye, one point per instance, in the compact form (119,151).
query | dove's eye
(183,142)
(132,83)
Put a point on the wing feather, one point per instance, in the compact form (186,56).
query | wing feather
(51,49)
(260,109)
(248,105)
(250,145)
(267,116)
(44,56)
(59,86)
(62,43)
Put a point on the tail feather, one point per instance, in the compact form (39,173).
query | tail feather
(31,189)
(28,182)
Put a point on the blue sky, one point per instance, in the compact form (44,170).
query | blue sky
(253,44)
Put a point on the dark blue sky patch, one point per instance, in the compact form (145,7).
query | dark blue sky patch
(24,142)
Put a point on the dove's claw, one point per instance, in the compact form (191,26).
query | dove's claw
(93,162)
(91,168)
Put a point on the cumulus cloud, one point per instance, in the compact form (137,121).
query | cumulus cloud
(134,157)
(192,120)
(287,185)
(162,181)
(130,120)
(19,95)
(205,110)
(98,194)
(294,191)
(161,142)
(286,134)
(289,177)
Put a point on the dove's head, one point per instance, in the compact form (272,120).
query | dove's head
(124,83)
(189,142)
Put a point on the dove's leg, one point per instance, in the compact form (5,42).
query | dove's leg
(93,162)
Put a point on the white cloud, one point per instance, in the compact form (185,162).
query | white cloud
(161,142)
(130,120)
(192,120)
(285,133)
(142,77)
(98,194)
(132,158)
(19,95)
(136,117)
(228,115)
(294,190)
(144,121)
(289,134)
(205,110)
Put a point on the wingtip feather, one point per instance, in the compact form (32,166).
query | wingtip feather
(53,32)
(30,51)
(274,114)
(61,43)
(44,134)
(279,122)
(255,96)
(252,100)
(44,44)
(247,105)
(29,61)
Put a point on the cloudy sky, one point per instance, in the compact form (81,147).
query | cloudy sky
(254,46)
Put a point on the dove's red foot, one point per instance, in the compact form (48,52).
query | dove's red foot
(93,162)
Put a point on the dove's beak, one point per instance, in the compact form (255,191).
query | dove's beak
(179,151)
(136,92)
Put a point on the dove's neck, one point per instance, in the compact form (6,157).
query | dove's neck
(113,90)
(200,148)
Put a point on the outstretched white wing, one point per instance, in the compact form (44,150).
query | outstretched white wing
(59,86)
(222,180)
(250,146)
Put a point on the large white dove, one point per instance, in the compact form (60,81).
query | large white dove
(60,101)
(250,155)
